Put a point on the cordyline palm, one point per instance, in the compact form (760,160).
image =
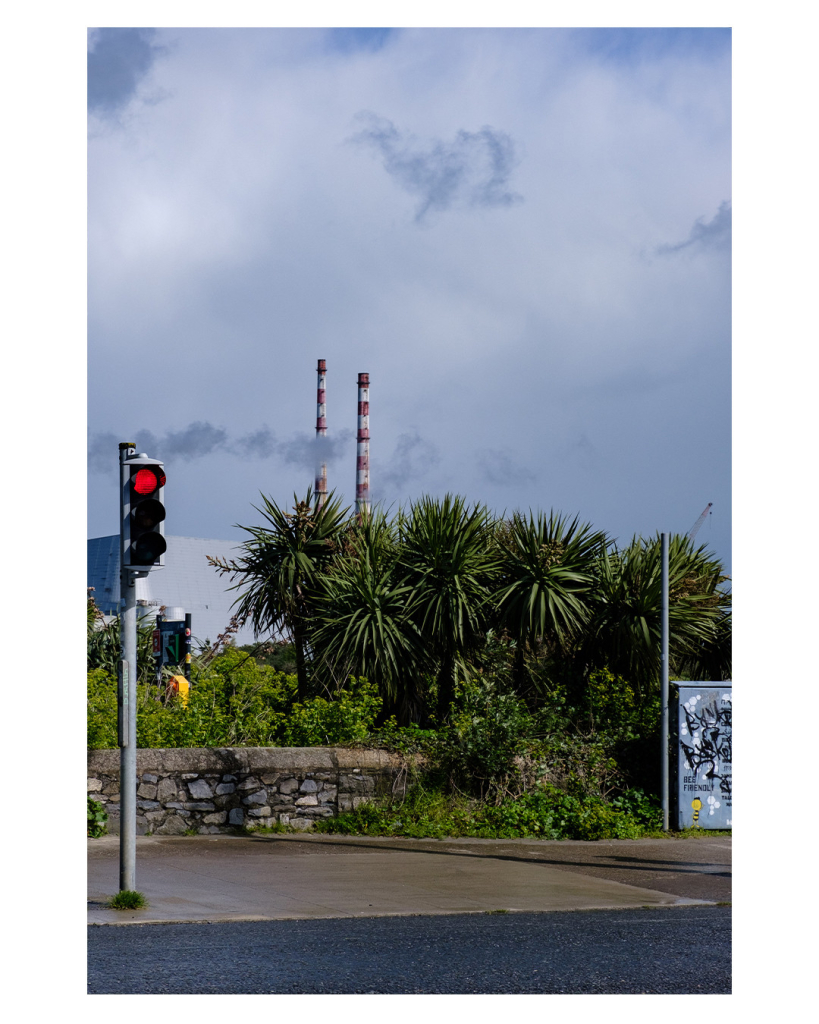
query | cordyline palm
(547,569)
(364,615)
(624,633)
(278,571)
(449,563)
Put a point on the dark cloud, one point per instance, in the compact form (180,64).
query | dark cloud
(261,444)
(715,236)
(120,59)
(631,46)
(498,466)
(354,39)
(196,440)
(103,453)
(306,450)
(200,439)
(472,170)
(412,457)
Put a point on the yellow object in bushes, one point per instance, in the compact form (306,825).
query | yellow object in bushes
(180,685)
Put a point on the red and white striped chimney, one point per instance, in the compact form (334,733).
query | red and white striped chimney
(362,463)
(321,431)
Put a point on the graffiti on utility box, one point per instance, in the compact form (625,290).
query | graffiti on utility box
(704,755)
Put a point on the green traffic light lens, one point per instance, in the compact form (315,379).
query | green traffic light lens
(146,549)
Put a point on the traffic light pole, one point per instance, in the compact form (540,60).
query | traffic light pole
(127,710)
(128,753)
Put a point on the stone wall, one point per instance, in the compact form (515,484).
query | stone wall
(217,790)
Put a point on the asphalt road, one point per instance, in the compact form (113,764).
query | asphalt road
(661,950)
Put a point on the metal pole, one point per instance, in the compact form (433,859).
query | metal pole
(158,656)
(128,639)
(362,472)
(188,646)
(664,678)
(321,431)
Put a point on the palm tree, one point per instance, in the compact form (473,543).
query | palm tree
(450,566)
(279,569)
(547,569)
(624,632)
(364,616)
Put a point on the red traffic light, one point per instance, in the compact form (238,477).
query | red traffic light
(146,481)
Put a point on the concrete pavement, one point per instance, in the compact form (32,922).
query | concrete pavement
(280,877)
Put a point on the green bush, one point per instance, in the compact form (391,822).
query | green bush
(348,718)
(489,729)
(542,813)
(233,701)
(97,818)
(102,710)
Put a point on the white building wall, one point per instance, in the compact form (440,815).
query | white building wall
(185,581)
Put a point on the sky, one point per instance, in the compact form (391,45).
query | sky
(522,235)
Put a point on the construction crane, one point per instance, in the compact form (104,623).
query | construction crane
(692,533)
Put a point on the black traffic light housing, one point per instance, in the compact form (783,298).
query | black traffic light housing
(143,514)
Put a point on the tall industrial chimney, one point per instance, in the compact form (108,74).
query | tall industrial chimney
(362,463)
(321,431)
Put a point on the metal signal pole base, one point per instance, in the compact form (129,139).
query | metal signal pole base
(128,743)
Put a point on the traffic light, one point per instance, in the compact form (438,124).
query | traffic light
(143,514)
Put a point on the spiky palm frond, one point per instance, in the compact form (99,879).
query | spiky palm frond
(365,614)
(547,569)
(448,561)
(279,567)
(624,633)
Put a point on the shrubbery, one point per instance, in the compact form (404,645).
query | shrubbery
(542,813)
(568,765)
(234,701)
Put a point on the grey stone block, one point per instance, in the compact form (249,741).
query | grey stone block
(236,816)
(308,786)
(200,805)
(147,791)
(259,812)
(307,801)
(289,786)
(256,798)
(94,786)
(166,790)
(219,818)
(147,777)
(174,826)
(200,790)
(225,787)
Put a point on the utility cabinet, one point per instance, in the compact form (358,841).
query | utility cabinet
(701,754)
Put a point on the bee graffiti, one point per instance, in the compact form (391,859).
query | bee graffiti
(704,756)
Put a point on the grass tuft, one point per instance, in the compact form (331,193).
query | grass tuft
(127,899)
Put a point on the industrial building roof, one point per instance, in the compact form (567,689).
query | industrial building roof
(186,581)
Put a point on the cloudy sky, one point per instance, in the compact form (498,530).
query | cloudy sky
(522,235)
